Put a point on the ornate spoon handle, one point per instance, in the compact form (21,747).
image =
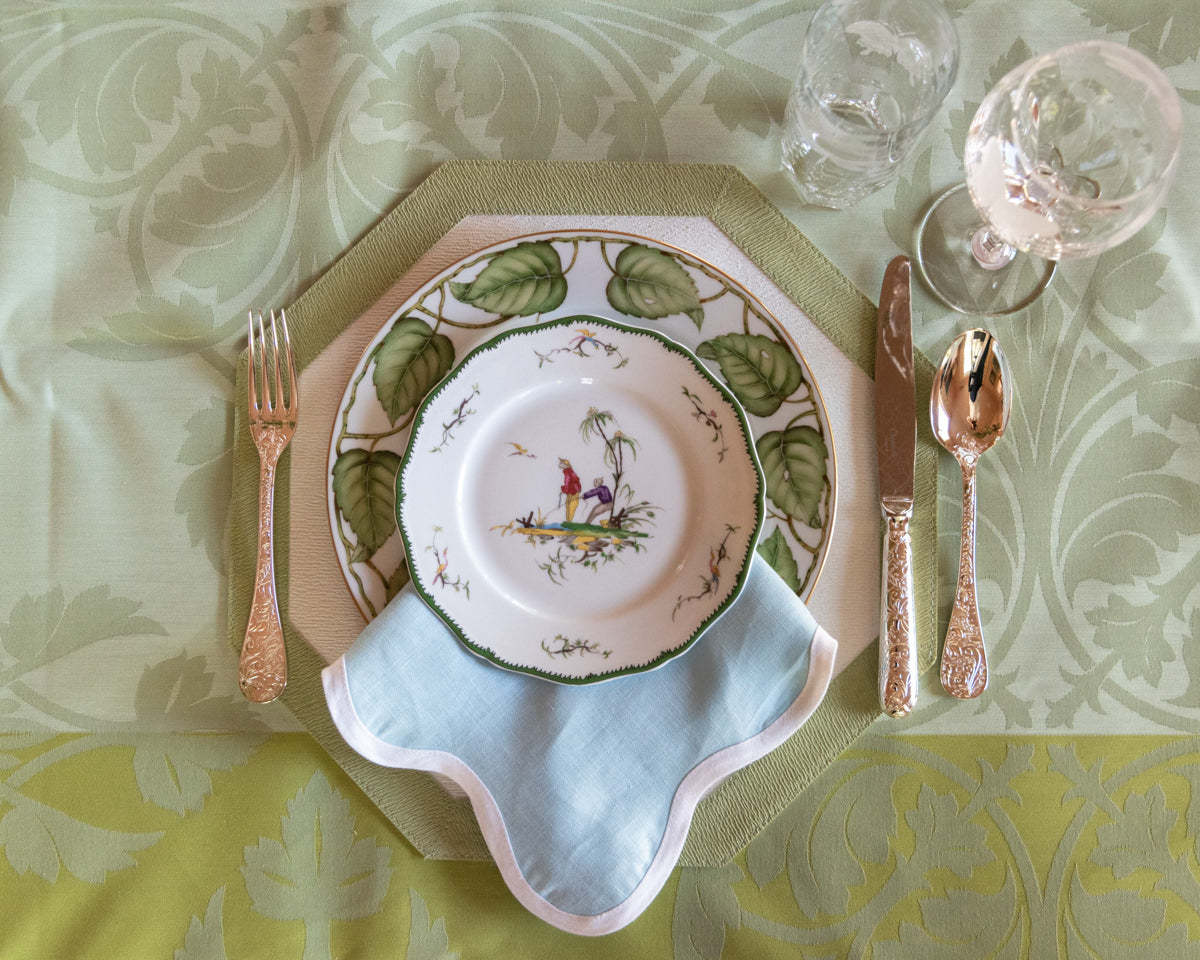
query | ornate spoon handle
(262,669)
(964,662)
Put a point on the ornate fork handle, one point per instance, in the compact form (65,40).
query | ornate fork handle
(964,661)
(262,669)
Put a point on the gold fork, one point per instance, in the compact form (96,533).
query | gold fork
(262,670)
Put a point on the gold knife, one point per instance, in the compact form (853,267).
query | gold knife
(896,440)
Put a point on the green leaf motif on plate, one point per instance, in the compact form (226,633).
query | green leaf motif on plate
(649,284)
(364,489)
(760,372)
(794,464)
(778,554)
(518,282)
(410,360)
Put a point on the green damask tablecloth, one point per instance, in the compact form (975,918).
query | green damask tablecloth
(164,167)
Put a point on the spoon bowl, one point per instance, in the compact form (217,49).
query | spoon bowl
(969,409)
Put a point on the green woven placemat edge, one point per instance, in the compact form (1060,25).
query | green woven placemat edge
(727,819)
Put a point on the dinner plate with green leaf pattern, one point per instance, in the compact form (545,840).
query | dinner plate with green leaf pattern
(622,277)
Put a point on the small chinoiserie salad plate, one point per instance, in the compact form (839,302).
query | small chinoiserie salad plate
(526,280)
(579,499)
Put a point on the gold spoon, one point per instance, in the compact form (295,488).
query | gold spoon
(969,409)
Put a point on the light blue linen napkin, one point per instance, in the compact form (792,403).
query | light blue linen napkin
(584,793)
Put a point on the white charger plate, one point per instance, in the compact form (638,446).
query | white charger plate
(579,499)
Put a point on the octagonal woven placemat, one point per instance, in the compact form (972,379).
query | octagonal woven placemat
(438,825)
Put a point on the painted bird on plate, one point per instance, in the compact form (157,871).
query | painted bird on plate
(714,568)
(584,336)
(520,451)
(439,576)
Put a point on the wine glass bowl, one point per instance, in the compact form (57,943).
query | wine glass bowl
(1069,155)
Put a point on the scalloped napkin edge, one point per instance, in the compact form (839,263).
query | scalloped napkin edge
(766,655)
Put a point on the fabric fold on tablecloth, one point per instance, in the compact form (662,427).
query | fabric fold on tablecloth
(584,794)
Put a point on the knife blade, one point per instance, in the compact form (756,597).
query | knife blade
(896,440)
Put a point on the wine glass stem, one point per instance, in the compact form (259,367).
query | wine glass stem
(989,250)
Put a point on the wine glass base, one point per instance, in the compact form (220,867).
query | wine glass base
(952,273)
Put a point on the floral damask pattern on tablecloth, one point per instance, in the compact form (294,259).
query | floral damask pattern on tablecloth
(164,168)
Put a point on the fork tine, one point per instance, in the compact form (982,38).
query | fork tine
(251,391)
(277,364)
(293,389)
(265,400)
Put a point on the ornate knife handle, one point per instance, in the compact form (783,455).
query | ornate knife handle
(262,669)
(964,661)
(898,624)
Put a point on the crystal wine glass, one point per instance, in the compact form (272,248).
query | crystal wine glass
(1069,155)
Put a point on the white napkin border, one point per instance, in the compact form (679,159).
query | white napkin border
(701,779)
